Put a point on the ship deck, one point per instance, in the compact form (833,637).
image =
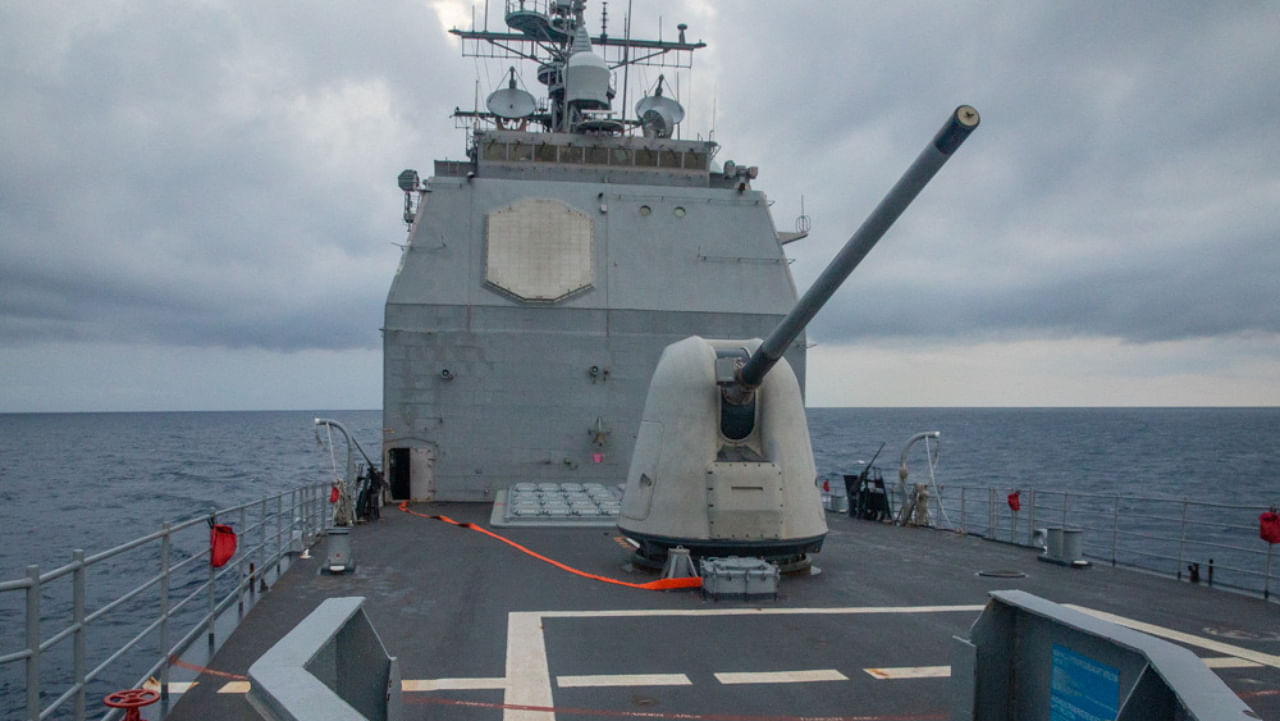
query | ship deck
(483,631)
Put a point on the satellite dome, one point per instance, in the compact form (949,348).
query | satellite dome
(586,76)
(511,102)
(658,115)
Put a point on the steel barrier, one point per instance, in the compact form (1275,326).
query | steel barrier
(1165,535)
(1203,542)
(268,530)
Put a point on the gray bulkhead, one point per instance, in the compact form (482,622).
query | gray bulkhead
(533,301)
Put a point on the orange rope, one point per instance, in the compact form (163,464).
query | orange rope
(175,661)
(662,584)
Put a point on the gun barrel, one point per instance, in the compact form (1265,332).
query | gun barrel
(962,122)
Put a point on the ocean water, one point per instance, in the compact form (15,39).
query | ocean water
(1226,455)
(96,480)
(1223,456)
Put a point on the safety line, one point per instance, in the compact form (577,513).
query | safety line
(175,661)
(898,672)
(1253,694)
(662,584)
(679,716)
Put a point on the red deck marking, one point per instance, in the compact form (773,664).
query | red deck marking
(175,661)
(1252,694)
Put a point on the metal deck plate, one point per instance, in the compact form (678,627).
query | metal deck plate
(557,505)
(473,622)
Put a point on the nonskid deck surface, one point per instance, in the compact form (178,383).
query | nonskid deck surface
(483,631)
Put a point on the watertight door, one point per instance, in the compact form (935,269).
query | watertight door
(422,473)
(397,466)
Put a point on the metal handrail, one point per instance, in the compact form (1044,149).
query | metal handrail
(1164,537)
(262,546)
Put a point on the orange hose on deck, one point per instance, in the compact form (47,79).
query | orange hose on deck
(662,584)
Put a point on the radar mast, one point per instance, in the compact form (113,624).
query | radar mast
(577,70)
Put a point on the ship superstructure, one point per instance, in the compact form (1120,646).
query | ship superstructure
(544,275)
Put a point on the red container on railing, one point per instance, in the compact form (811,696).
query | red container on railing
(222,544)
(1269,526)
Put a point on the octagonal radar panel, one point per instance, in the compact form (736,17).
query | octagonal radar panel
(539,250)
(659,115)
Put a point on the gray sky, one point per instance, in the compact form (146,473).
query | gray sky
(198,206)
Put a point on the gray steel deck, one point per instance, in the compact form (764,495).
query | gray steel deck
(492,629)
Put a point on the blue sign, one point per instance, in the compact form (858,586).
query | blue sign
(1082,688)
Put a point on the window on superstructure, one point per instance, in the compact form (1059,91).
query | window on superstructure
(668,159)
(521,151)
(597,156)
(545,153)
(493,150)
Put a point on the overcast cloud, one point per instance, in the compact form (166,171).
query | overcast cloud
(198,205)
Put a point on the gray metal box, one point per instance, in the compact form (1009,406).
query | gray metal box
(735,577)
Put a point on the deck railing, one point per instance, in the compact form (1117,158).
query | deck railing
(1204,542)
(186,598)
(189,598)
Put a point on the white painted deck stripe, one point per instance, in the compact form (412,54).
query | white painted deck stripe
(452,684)
(1229,662)
(895,672)
(152,684)
(528,674)
(821,674)
(624,679)
(1208,644)
(847,610)
(230,687)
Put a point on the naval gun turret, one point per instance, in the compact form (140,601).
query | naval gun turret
(723,464)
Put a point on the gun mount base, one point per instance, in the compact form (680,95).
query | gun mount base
(789,555)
